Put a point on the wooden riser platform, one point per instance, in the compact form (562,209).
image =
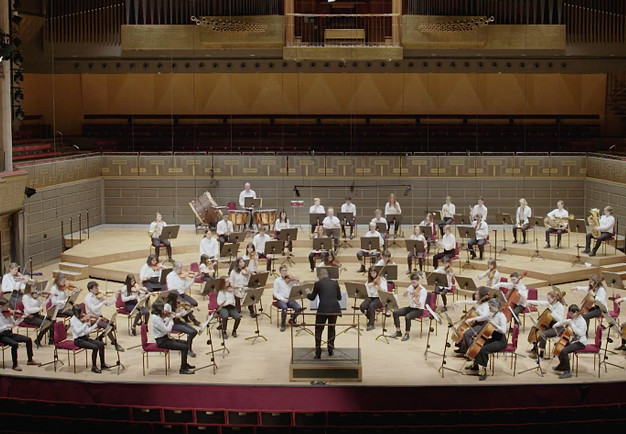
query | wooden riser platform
(344,365)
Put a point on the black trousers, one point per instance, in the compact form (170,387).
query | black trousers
(517,310)
(558,232)
(227,311)
(176,345)
(13,340)
(369,307)
(443,223)
(439,256)
(142,314)
(320,320)
(594,312)
(408,313)
(565,352)
(549,333)
(156,242)
(603,236)
(493,345)
(96,346)
(191,332)
(469,335)
(37,319)
(523,230)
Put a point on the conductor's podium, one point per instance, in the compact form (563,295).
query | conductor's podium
(344,365)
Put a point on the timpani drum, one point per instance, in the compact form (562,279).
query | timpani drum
(265,217)
(206,209)
(238,217)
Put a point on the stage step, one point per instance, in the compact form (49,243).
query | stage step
(615,268)
(345,365)
(70,275)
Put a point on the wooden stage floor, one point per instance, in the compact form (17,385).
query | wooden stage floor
(114,251)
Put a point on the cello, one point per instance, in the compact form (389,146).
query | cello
(512,298)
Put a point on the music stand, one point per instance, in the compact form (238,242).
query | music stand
(537,223)
(322,243)
(614,278)
(443,368)
(213,285)
(415,247)
(111,327)
(259,280)
(333,271)
(369,245)
(315,219)
(299,292)
(382,228)
(470,233)
(390,271)
(169,233)
(237,237)
(287,236)
(389,302)
(163,276)
(437,279)
(578,225)
(466,284)
(252,202)
(344,218)
(253,296)
(505,218)
(273,248)
(577,260)
(355,291)
(612,323)
(229,250)
(333,233)
(205,325)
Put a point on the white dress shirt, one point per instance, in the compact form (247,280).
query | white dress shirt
(522,215)
(393,209)
(58,297)
(319,209)
(349,208)
(9,283)
(177,283)
(244,194)
(128,296)
(147,273)
(421,296)
(607,223)
(560,214)
(239,281)
(481,231)
(431,225)
(482,312)
(499,320)
(448,210)
(7,323)
(448,242)
(480,209)
(379,220)
(282,289)
(209,247)
(259,243)
(375,234)
(521,288)
(494,280)
(160,327)
(93,306)
(224,227)
(331,222)
(157,228)
(80,329)
(31,305)
(279,226)
(579,327)
(372,290)
(442,269)
(226,297)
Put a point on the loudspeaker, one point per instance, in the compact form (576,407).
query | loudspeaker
(29,191)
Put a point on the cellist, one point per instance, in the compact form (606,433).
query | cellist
(578,340)
(556,305)
(475,323)
(516,283)
(495,343)
(598,291)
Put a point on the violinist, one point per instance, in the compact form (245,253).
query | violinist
(482,231)
(516,283)
(94,302)
(348,206)
(522,223)
(313,254)
(557,310)
(383,262)
(417,303)
(156,227)
(226,299)
(32,312)
(447,214)
(494,344)
(150,274)
(392,208)
(282,290)
(7,337)
(172,308)
(179,281)
(223,230)
(331,222)
(378,218)
(417,235)
(316,208)
(428,222)
(130,297)
(448,244)
(59,293)
(81,326)
(210,247)
(374,283)
(239,277)
(252,257)
(360,254)
(259,241)
(279,225)
(445,287)
(162,325)
(476,322)
(491,274)
(578,341)
(206,268)
(597,290)
(14,282)
(330,260)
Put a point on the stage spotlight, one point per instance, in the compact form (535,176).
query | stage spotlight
(19,113)
(295,190)
(18,95)
(28,191)
(16,18)
(407,190)
(18,77)
(18,59)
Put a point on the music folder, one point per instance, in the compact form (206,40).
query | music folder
(169,232)
(345,217)
(322,243)
(288,234)
(437,279)
(370,243)
(258,280)
(213,285)
(427,231)
(251,202)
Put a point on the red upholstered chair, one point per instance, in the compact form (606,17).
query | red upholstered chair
(121,309)
(616,307)
(532,295)
(194,267)
(431,300)
(510,348)
(503,279)
(148,347)
(62,343)
(20,307)
(456,256)
(608,240)
(591,349)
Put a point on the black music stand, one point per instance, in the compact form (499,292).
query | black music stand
(316,219)
(437,279)
(237,237)
(259,280)
(442,368)
(209,342)
(333,233)
(253,296)
(229,250)
(273,248)
(333,271)
(382,229)
(356,291)
(322,243)
(370,244)
(612,323)
(252,202)
(391,220)
(344,218)
(390,272)
(468,233)
(505,218)
(299,292)
(288,236)
(577,259)
(537,223)
(112,328)
(169,232)
(389,302)
(415,247)
(461,219)
(213,285)
(466,284)
(427,231)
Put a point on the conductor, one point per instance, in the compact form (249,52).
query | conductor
(328,309)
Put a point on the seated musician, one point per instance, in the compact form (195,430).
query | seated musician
(556,306)
(173,307)
(479,208)
(374,283)
(559,213)
(223,230)
(81,326)
(226,299)
(494,344)
(515,282)
(384,261)
(239,277)
(417,235)
(448,244)
(8,320)
(210,247)
(349,207)
(316,208)
(428,222)
(522,223)
(597,290)
(606,227)
(444,287)
(331,222)
(392,208)
(378,218)
(482,231)
(417,303)
(14,283)
(156,228)
(622,346)
(259,241)
(32,312)
(282,290)
(491,274)
(130,297)
(180,281)
(475,323)
(447,214)
(578,341)
(94,302)
(251,256)
(150,274)
(314,253)
(283,223)
(206,268)
(60,292)
(360,254)
(162,325)
(247,192)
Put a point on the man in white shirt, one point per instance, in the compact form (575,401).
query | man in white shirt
(374,253)
(559,213)
(578,341)
(351,208)
(417,302)
(259,241)
(209,246)
(223,230)
(316,208)
(247,192)
(282,290)
(606,228)
(156,227)
(331,222)
(162,324)
(479,208)
(93,308)
(447,214)
(177,281)
(482,230)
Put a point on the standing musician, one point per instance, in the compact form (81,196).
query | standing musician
(559,213)
(522,223)
(259,241)
(130,297)
(173,308)
(445,268)
(448,244)
(150,274)
(210,247)
(417,303)
(156,227)
(206,268)
(239,277)
(283,223)
(328,309)
(482,231)
(14,282)
(447,214)
(316,208)
(516,283)
(597,290)
(393,208)
(491,274)
(606,228)
(226,299)
(32,312)
(349,207)
(417,235)
(282,290)
(59,293)
(81,326)
(479,208)
(475,323)
(180,281)
(7,337)
(360,254)
(331,222)
(556,305)
(94,301)
(162,325)
(578,341)
(223,230)
(429,222)
(374,283)
(494,344)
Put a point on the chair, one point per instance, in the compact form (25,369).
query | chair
(275,307)
(510,348)
(194,267)
(20,307)
(532,295)
(608,240)
(431,300)
(565,232)
(4,347)
(616,307)
(161,246)
(121,309)
(503,279)
(456,257)
(62,343)
(591,349)
(147,348)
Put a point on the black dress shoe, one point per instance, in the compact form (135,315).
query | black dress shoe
(188,366)
(331,351)
(196,323)
(185,371)
(95,370)
(234,333)
(318,354)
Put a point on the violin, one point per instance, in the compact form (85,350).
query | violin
(291,280)
(90,319)
(188,275)
(157,267)
(12,313)
(333,262)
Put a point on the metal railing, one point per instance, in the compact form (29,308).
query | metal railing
(71,232)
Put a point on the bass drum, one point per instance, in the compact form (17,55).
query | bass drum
(206,209)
